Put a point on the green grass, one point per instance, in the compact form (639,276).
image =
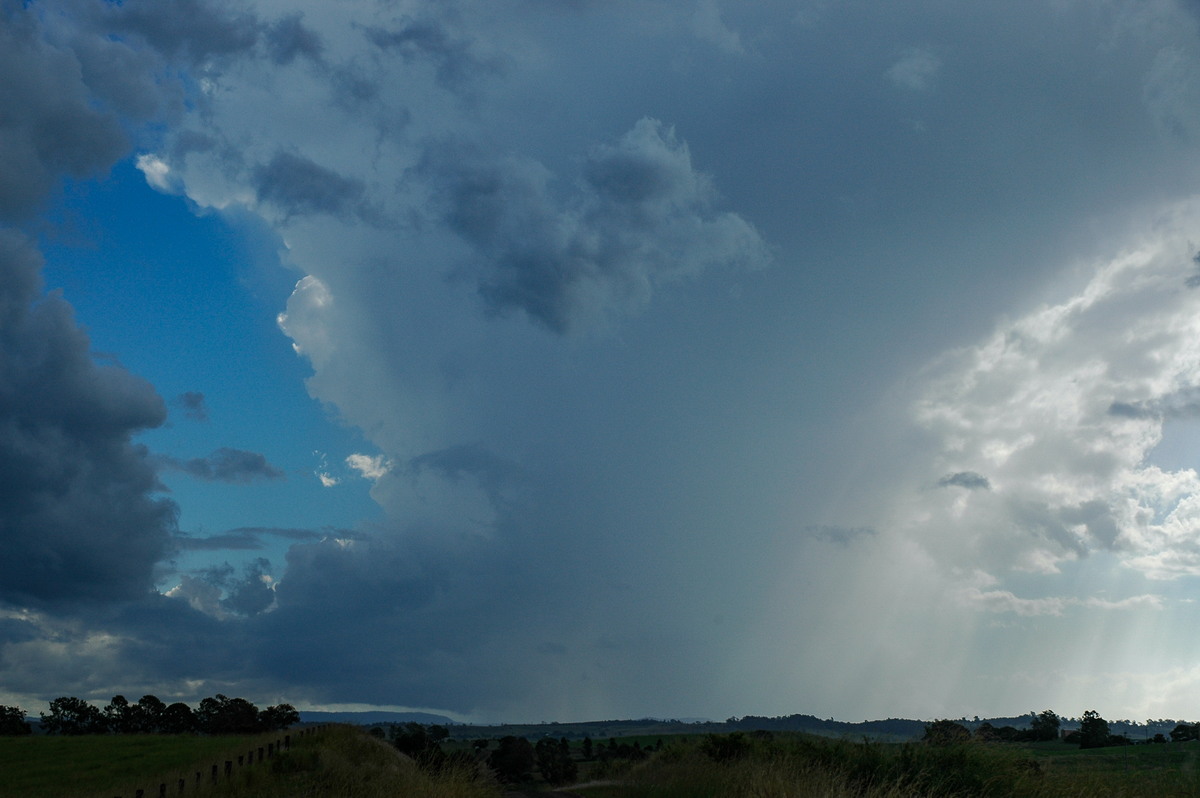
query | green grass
(341,761)
(346,762)
(56,767)
(799,765)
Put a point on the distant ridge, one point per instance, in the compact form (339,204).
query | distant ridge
(374,717)
(890,729)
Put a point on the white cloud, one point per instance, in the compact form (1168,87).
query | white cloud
(1004,601)
(1031,410)
(371,467)
(915,70)
(709,26)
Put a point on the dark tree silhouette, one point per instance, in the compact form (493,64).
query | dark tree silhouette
(223,715)
(121,716)
(512,760)
(177,719)
(946,732)
(12,722)
(1093,730)
(1185,731)
(278,717)
(1045,726)
(70,715)
(554,760)
(150,714)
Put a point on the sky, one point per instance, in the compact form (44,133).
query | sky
(564,359)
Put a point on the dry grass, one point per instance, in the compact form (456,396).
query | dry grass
(791,767)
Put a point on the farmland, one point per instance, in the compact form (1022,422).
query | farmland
(346,761)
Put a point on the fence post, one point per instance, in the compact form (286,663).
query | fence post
(241,759)
(214,774)
(260,754)
(270,750)
(181,783)
(228,768)
(287,742)
(162,790)
(139,794)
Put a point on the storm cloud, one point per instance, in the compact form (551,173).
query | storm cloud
(51,126)
(644,217)
(226,465)
(78,505)
(577,430)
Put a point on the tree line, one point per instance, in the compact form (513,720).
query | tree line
(218,714)
(514,759)
(1093,732)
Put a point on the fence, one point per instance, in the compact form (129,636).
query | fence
(255,756)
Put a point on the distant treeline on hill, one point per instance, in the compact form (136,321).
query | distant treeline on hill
(216,715)
(897,729)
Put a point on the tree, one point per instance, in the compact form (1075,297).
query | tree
(554,760)
(70,715)
(12,722)
(278,717)
(946,732)
(121,716)
(223,715)
(513,759)
(1185,731)
(177,719)
(1045,726)
(1093,730)
(150,714)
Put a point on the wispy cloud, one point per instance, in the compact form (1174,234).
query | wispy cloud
(225,465)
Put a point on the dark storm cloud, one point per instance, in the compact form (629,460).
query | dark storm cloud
(473,461)
(643,216)
(192,30)
(1130,410)
(247,538)
(77,510)
(965,479)
(193,405)
(1184,403)
(454,59)
(50,124)
(226,465)
(296,185)
(252,592)
(843,536)
(289,38)
(230,541)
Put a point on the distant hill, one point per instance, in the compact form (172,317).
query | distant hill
(375,718)
(891,729)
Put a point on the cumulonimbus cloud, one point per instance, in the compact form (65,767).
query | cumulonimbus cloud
(644,216)
(1061,408)
(77,497)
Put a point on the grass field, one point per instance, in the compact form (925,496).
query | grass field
(339,762)
(52,767)
(798,766)
(345,761)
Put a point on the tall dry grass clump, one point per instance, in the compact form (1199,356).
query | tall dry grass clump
(346,761)
(733,766)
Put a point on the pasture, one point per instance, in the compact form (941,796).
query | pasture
(341,761)
(801,766)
